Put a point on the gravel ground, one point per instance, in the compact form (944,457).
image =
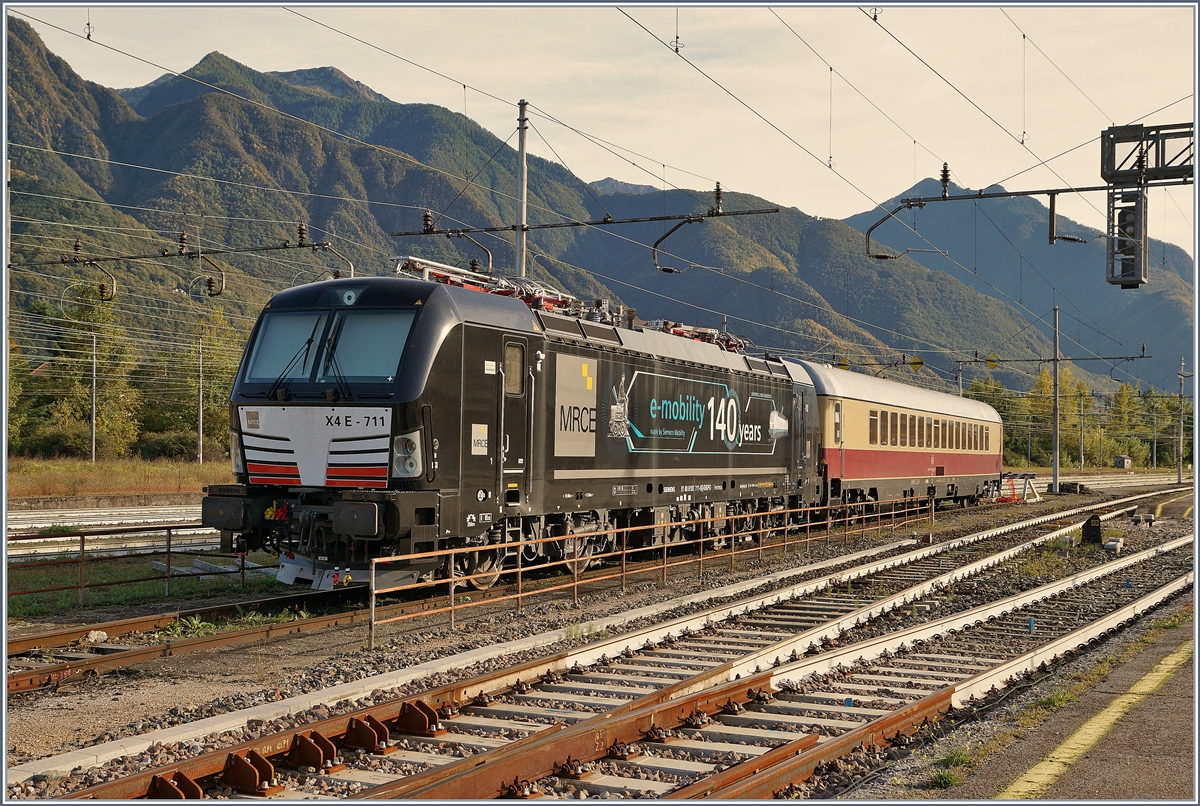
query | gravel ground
(185,688)
(176,690)
(912,772)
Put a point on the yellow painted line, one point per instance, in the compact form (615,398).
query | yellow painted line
(1187,513)
(1039,779)
(1158,510)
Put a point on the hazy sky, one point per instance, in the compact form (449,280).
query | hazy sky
(1078,70)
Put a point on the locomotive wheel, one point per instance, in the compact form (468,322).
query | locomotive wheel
(577,550)
(488,563)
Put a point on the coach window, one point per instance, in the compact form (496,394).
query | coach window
(895,429)
(874,428)
(912,430)
(987,437)
(934,434)
(975,436)
(903,430)
(920,432)
(837,423)
(514,369)
(883,428)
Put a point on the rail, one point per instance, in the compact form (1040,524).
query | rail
(94,554)
(755,530)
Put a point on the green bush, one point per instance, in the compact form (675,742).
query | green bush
(74,440)
(167,445)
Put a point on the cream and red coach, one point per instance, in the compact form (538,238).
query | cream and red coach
(884,440)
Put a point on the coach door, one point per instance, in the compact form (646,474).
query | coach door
(516,396)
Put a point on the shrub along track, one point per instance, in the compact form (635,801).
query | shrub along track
(665,693)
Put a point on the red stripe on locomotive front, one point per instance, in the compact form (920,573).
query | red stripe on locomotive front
(373,472)
(274,470)
(354,483)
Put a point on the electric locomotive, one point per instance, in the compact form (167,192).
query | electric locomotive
(444,408)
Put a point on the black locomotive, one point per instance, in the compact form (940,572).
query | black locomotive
(443,408)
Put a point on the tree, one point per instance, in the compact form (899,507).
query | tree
(18,368)
(60,410)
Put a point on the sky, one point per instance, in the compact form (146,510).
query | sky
(759,98)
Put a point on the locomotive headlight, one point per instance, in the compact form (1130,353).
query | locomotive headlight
(406,455)
(235,453)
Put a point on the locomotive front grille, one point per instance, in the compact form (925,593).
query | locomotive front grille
(317,446)
(358,462)
(270,460)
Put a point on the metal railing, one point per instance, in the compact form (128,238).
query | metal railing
(782,534)
(99,551)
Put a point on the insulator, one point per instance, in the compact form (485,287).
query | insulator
(182,242)
(103,290)
(302,231)
(211,282)
(337,274)
(78,249)
(427,222)
(717,200)
(474,264)
(945,179)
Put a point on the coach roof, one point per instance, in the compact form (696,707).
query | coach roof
(856,386)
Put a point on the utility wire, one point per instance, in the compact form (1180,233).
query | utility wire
(1025,37)
(792,140)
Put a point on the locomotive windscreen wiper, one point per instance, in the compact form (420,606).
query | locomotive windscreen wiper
(304,348)
(343,386)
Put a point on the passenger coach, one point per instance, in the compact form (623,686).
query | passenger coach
(886,440)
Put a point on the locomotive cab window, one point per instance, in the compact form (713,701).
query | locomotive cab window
(514,370)
(286,346)
(365,345)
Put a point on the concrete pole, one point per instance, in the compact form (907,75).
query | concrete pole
(1054,487)
(1081,433)
(523,181)
(200,402)
(1179,461)
(93,398)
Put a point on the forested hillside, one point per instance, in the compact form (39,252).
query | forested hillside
(243,158)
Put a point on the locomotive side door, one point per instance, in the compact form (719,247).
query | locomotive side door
(516,397)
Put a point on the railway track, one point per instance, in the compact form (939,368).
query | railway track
(24,521)
(50,659)
(679,682)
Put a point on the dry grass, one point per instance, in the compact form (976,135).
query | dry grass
(59,477)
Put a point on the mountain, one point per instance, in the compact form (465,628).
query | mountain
(1004,252)
(608,186)
(239,160)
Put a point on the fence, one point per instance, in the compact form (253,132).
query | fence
(95,552)
(755,530)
